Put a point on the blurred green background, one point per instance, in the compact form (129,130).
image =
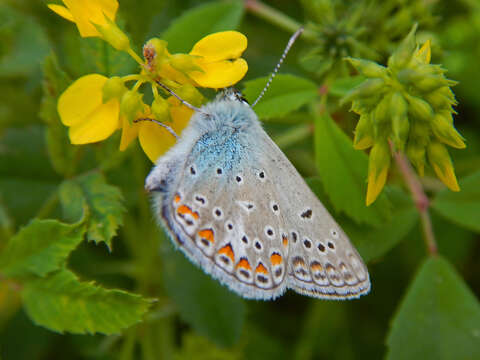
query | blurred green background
(420,307)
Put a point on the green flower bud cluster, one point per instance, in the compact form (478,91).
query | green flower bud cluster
(409,103)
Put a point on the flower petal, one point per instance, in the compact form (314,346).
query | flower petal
(424,54)
(220,46)
(62,11)
(81,98)
(376,182)
(220,74)
(154,139)
(99,125)
(89,12)
(129,133)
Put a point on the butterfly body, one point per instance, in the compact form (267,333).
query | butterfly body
(236,206)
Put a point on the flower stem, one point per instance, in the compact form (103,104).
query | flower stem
(276,17)
(134,55)
(421,200)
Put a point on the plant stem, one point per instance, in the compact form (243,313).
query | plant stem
(134,55)
(276,17)
(421,200)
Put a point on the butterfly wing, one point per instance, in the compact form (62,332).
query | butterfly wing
(236,206)
(322,262)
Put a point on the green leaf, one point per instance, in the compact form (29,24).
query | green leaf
(463,207)
(60,151)
(103,201)
(341,86)
(200,21)
(40,248)
(61,303)
(373,242)
(285,94)
(199,348)
(210,308)
(438,319)
(343,171)
(24,43)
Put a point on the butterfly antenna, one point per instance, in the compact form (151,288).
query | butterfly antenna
(187,104)
(284,55)
(169,129)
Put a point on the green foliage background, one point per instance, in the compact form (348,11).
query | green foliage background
(86,274)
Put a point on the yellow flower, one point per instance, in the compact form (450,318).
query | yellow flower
(213,62)
(86,13)
(154,139)
(219,58)
(81,109)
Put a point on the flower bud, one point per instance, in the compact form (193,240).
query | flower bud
(184,63)
(382,111)
(114,88)
(442,165)
(378,164)
(424,54)
(446,133)
(112,34)
(363,133)
(161,109)
(438,100)
(155,52)
(131,105)
(402,56)
(190,94)
(419,109)
(366,89)
(368,68)
(416,154)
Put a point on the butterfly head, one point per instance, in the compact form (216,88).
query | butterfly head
(231,94)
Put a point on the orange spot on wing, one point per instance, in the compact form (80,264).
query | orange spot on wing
(284,241)
(243,263)
(261,269)
(207,234)
(176,198)
(227,250)
(184,209)
(317,267)
(276,259)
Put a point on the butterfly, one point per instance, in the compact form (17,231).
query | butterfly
(235,205)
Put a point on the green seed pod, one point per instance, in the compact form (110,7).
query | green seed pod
(363,133)
(419,109)
(161,109)
(114,88)
(416,154)
(131,105)
(402,56)
(368,68)
(444,131)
